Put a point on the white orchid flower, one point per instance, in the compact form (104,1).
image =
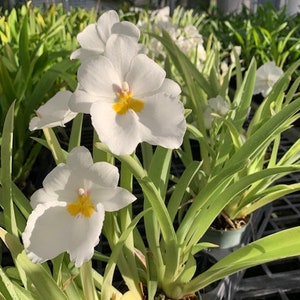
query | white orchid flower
(55,112)
(217,106)
(68,212)
(129,98)
(94,37)
(266,77)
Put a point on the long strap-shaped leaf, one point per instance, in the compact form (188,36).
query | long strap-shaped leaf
(280,245)
(6,173)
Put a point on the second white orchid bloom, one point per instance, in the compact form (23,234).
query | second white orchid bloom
(55,112)
(266,77)
(129,98)
(68,212)
(94,37)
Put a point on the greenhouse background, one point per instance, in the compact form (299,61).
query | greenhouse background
(278,280)
(292,6)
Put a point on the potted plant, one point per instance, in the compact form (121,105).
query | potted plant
(221,124)
(124,90)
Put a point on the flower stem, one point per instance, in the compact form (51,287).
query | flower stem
(86,274)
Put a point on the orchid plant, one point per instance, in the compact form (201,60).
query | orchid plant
(133,107)
(229,126)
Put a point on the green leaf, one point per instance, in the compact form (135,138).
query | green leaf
(150,192)
(266,132)
(107,289)
(75,137)
(276,97)
(218,199)
(45,84)
(186,68)
(7,288)
(7,86)
(243,96)
(22,293)
(181,187)
(189,270)
(6,172)
(24,57)
(72,288)
(268,196)
(54,146)
(21,201)
(159,170)
(261,251)
(86,275)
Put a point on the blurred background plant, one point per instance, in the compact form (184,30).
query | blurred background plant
(34,65)
(229,126)
(35,43)
(234,158)
(267,34)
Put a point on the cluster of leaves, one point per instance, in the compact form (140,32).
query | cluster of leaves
(34,65)
(223,143)
(267,34)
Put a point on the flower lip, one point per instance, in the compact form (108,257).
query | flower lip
(82,206)
(126,101)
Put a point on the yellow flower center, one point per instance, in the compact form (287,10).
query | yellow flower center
(126,101)
(82,205)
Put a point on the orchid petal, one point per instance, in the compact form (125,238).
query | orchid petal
(104,174)
(162,121)
(121,59)
(51,230)
(105,24)
(89,38)
(97,77)
(79,158)
(55,112)
(47,231)
(85,236)
(126,28)
(144,76)
(112,199)
(57,178)
(84,54)
(41,197)
(81,101)
(119,133)
(170,87)
(266,77)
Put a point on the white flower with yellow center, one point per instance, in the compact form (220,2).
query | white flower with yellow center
(129,98)
(94,37)
(55,112)
(68,212)
(266,77)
